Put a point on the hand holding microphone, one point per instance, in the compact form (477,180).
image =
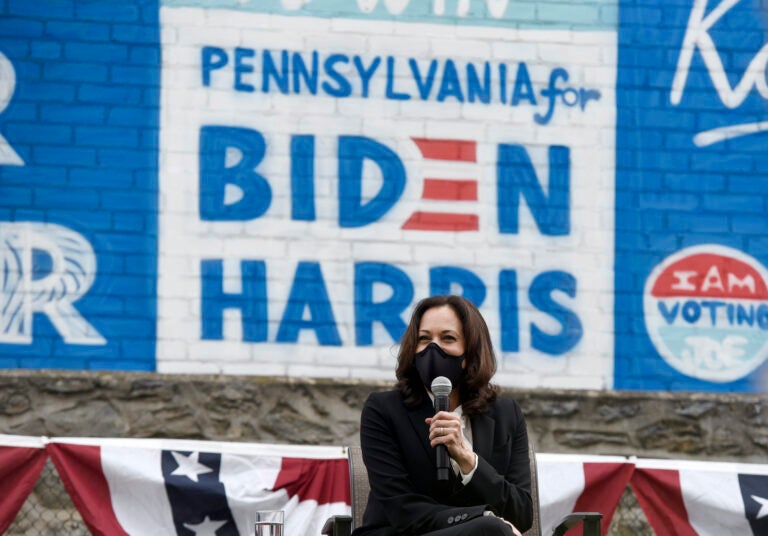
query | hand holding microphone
(445,433)
(441,388)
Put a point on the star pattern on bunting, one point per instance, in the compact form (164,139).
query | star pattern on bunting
(189,466)
(206,527)
(763,506)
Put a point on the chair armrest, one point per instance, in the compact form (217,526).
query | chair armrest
(337,526)
(591,523)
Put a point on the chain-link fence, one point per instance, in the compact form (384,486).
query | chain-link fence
(49,512)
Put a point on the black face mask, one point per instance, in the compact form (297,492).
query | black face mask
(432,362)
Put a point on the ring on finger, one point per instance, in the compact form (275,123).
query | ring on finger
(441,430)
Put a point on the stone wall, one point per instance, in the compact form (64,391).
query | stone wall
(729,427)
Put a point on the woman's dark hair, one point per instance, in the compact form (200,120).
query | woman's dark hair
(475,391)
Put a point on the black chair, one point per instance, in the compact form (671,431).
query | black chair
(359,489)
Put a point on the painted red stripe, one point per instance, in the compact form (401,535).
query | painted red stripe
(604,483)
(325,481)
(20,468)
(452,190)
(456,150)
(441,221)
(79,467)
(661,498)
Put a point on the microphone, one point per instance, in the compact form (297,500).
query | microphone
(441,388)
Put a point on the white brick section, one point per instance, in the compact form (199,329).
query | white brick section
(317,204)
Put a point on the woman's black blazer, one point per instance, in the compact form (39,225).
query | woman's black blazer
(405,496)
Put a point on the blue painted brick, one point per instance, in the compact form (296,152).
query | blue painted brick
(111,349)
(747,184)
(24,151)
(151,96)
(76,71)
(15,197)
(146,178)
(150,138)
(86,220)
(730,239)
(8,362)
(653,221)
(135,33)
(127,158)
(688,182)
(64,198)
(129,286)
(149,12)
(29,214)
(20,111)
(109,94)
(734,203)
(649,15)
(676,120)
(107,11)
(135,307)
(73,113)
(631,241)
(133,116)
(110,262)
(139,75)
(101,177)
(724,163)
(18,27)
(758,245)
(627,219)
(15,48)
(47,50)
(130,221)
(662,242)
(662,160)
(64,155)
(30,175)
(750,224)
(58,9)
(106,136)
(71,363)
(668,201)
(139,348)
(122,201)
(27,70)
(125,243)
(677,140)
(141,265)
(96,52)
(699,223)
(45,91)
(37,133)
(145,55)
(123,364)
(77,31)
(106,305)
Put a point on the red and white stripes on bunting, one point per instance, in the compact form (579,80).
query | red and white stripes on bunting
(21,461)
(147,486)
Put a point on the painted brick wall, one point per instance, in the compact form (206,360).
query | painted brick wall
(78,184)
(217,186)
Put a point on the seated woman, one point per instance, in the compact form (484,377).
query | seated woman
(488,490)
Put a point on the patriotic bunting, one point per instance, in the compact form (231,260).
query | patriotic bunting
(204,488)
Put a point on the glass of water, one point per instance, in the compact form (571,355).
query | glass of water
(269,523)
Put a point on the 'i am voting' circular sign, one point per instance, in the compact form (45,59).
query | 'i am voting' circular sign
(706,311)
